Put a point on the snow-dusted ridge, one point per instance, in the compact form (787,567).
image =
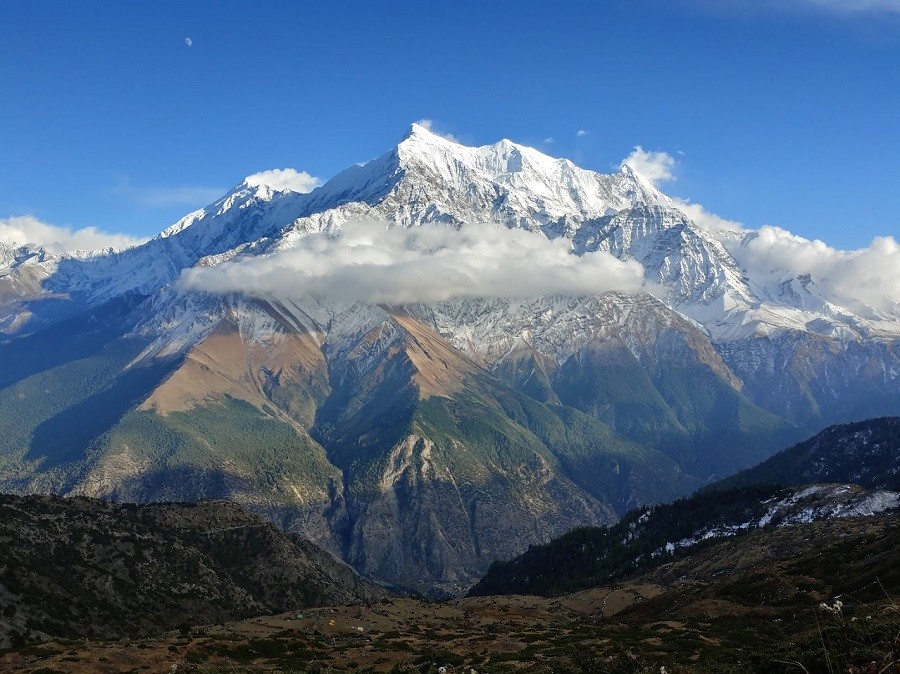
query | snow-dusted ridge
(430,179)
(808,504)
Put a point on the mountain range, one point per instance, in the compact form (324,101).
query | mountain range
(583,347)
(846,471)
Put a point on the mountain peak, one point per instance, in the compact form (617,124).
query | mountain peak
(494,161)
(629,171)
(422,132)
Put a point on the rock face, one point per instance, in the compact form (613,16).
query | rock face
(420,442)
(78,567)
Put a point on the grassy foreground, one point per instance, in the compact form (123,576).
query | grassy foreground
(814,598)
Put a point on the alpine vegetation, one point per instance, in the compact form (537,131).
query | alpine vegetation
(437,358)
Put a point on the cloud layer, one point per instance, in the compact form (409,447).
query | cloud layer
(657,167)
(870,274)
(284,180)
(772,254)
(25,230)
(370,262)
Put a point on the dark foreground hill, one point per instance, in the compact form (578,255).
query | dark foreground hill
(740,605)
(79,567)
(651,537)
(787,489)
(866,453)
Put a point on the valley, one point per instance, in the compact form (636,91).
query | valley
(747,605)
(810,571)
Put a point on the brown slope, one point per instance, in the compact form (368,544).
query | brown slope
(440,369)
(225,363)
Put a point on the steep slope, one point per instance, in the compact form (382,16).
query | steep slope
(629,361)
(372,436)
(865,453)
(647,539)
(785,490)
(817,380)
(447,468)
(62,388)
(420,442)
(79,567)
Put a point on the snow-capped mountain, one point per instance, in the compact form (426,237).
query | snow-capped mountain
(403,435)
(428,179)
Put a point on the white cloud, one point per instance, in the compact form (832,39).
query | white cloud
(772,254)
(430,126)
(581,133)
(711,222)
(657,167)
(24,230)
(370,262)
(549,140)
(285,180)
(870,274)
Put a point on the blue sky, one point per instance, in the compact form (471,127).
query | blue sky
(785,113)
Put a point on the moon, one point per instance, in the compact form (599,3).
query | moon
(188,41)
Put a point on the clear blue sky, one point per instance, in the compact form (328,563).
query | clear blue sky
(108,118)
